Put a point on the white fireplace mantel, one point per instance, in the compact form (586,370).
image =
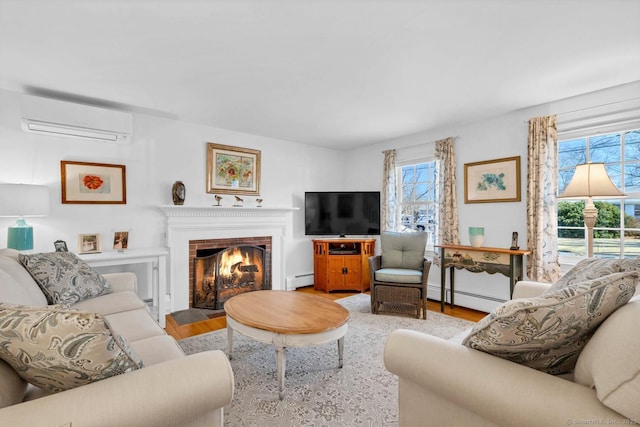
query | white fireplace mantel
(185,223)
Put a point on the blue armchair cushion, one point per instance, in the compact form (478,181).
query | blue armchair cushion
(403,250)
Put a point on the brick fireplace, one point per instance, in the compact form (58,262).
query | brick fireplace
(186,224)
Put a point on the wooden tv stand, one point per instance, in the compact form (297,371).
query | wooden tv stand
(342,264)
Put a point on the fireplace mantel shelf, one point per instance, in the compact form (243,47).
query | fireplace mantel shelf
(177,211)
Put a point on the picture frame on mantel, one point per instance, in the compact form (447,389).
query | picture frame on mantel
(233,170)
(492,181)
(93,183)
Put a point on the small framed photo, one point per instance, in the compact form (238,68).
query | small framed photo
(120,240)
(492,181)
(93,183)
(233,170)
(89,244)
(61,246)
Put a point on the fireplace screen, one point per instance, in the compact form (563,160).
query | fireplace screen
(220,274)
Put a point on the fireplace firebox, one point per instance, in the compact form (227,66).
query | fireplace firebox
(220,273)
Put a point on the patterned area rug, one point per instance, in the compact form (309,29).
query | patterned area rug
(317,392)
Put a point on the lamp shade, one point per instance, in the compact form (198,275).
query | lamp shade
(24,200)
(591,180)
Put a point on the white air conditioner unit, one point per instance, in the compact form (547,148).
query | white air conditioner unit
(61,118)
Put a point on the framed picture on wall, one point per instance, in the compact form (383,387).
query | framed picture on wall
(492,181)
(93,183)
(232,170)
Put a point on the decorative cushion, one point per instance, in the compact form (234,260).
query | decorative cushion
(398,275)
(403,250)
(609,361)
(592,268)
(549,332)
(64,278)
(56,348)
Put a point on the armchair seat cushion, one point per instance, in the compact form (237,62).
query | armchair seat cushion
(398,275)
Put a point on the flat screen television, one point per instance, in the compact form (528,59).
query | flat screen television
(341,213)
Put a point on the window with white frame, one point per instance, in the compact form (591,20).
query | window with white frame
(417,192)
(617,230)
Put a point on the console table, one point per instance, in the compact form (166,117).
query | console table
(479,259)
(156,260)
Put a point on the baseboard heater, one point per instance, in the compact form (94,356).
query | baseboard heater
(299,280)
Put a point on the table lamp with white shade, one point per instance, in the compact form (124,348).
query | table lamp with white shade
(590,181)
(23,200)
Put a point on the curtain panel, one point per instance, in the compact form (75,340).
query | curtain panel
(447,219)
(389,192)
(542,208)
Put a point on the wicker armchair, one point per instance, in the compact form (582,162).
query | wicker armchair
(399,276)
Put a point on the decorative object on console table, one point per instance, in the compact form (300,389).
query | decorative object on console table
(22,200)
(514,241)
(120,240)
(476,236)
(60,246)
(476,260)
(590,181)
(89,244)
(93,183)
(232,170)
(178,193)
(492,181)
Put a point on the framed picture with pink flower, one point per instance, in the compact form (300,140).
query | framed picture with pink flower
(232,170)
(93,183)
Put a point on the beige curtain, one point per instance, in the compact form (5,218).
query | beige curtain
(447,205)
(389,192)
(542,209)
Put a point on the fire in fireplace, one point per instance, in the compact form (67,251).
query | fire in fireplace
(221,273)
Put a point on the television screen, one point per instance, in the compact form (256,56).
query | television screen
(342,212)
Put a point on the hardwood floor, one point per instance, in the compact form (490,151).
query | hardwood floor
(184,331)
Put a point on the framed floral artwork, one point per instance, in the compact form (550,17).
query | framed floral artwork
(88,183)
(232,170)
(492,181)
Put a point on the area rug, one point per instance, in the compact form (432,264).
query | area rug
(317,392)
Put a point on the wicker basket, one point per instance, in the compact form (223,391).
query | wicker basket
(404,299)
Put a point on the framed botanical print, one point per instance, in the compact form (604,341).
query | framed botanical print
(88,183)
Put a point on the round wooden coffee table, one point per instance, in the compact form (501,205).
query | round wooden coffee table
(286,319)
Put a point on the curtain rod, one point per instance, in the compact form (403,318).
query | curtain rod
(418,145)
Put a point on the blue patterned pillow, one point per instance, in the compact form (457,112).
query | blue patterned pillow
(56,348)
(549,332)
(64,278)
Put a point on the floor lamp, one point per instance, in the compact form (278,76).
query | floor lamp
(590,181)
(22,200)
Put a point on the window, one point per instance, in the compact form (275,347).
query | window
(417,188)
(617,230)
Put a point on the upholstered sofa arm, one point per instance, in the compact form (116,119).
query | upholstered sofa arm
(187,391)
(440,379)
(529,289)
(122,281)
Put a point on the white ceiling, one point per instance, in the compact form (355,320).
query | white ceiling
(333,73)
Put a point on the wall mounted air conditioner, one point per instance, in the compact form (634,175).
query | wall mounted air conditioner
(61,118)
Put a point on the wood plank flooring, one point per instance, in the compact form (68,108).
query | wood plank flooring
(184,331)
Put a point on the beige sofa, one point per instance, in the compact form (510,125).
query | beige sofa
(443,383)
(170,390)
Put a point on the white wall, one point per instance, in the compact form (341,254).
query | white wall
(496,137)
(161,152)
